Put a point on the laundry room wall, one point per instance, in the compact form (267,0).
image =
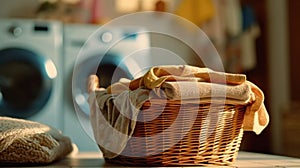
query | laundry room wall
(176,48)
(18,8)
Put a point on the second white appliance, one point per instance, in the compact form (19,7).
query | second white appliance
(109,52)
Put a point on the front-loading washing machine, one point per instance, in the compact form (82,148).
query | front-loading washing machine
(111,53)
(75,36)
(30,70)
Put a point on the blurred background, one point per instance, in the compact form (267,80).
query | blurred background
(259,38)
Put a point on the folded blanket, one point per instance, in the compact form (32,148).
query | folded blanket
(28,142)
(158,75)
(234,94)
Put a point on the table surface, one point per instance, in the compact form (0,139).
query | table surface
(252,160)
(245,159)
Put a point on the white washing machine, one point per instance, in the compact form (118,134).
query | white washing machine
(120,52)
(74,38)
(30,70)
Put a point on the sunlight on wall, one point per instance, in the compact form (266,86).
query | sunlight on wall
(135,5)
(124,7)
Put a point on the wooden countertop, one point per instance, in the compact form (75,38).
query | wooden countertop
(245,159)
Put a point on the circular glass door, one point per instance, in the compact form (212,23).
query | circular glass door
(110,68)
(25,82)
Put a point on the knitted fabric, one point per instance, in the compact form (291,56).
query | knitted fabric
(24,141)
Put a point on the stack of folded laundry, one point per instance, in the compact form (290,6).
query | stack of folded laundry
(118,105)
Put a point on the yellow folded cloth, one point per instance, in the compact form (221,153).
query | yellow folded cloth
(158,75)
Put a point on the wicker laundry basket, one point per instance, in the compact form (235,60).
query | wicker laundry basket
(186,133)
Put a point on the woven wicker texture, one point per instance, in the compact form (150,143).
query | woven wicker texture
(175,133)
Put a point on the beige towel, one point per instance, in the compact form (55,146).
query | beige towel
(256,117)
(118,87)
(237,94)
(158,75)
(248,94)
(114,118)
(28,142)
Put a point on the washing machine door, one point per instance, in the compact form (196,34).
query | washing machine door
(25,82)
(110,68)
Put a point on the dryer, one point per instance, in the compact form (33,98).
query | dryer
(30,70)
(109,52)
(75,35)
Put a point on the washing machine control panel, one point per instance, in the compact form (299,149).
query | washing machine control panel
(106,37)
(15,30)
(41,28)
